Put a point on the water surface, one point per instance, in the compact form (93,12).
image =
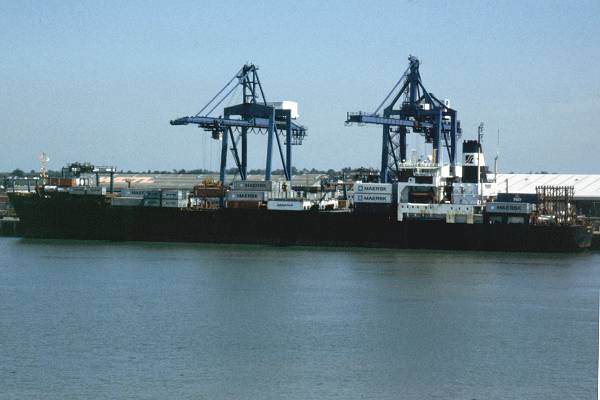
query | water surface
(193,321)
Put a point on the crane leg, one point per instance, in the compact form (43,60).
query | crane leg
(223,157)
(288,146)
(384,154)
(270,145)
(402,144)
(244,152)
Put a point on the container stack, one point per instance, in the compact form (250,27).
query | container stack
(207,195)
(169,198)
(152,198)
(174,199)
(252,194)
(128,192)
(83,190)
(374,198)
(126,201)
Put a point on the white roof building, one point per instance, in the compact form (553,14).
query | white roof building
(587,187)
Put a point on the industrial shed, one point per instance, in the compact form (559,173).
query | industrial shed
(587,187)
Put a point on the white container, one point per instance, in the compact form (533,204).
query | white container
(243,195)
(288,205)
(372,198)
(174,203)
(261,186)
(284,195)
(173,195)
(374,188)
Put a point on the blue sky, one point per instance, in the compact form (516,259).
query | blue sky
(99,81)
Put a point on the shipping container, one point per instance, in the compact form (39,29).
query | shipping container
(243,204)
(261,186)
(372,198)
(174,203)
(152,195)
(517,198)
(244,195)
(151,202)
(126,201)
(508,208)
(128,192)
(288,205)
(373,188)
(174,195)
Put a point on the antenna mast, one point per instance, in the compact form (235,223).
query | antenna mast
(496,158)
(479,137)
(44,167)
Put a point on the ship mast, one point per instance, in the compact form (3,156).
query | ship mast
(479,136)
(43,167)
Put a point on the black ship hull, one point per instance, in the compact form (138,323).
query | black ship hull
(91,217)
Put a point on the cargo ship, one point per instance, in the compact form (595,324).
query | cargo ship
(66,217)
(423,211)
(416,202)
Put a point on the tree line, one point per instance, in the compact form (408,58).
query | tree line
(230,171)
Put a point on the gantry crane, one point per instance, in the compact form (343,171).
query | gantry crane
(255,115)
(421,112)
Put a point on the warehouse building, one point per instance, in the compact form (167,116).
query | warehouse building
(587,188)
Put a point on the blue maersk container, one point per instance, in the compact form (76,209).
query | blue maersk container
(530,198)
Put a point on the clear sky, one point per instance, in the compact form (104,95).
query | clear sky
(99,81)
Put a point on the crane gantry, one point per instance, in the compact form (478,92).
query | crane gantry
(252,115)
(421,112)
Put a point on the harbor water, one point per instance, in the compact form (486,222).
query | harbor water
(107,320)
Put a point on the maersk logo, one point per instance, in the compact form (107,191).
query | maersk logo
(376,198)
(367,197)
(372,188)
